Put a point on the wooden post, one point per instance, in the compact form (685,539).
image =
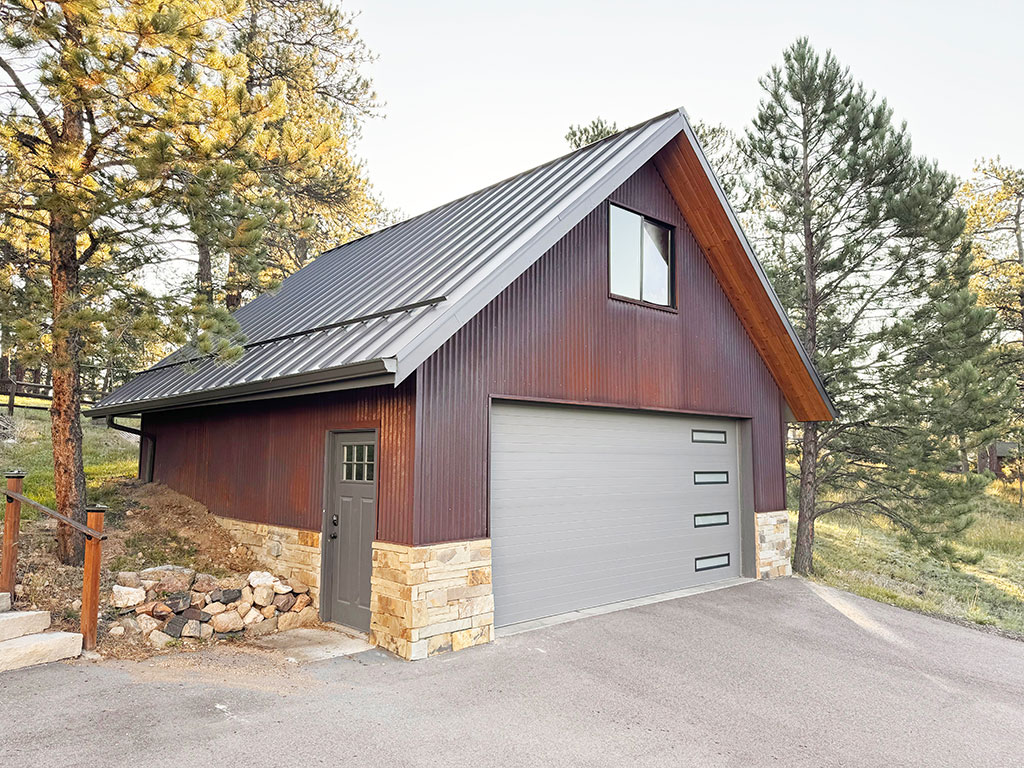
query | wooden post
(91,577)
(12,528)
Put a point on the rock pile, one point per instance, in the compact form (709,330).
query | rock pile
(170,602)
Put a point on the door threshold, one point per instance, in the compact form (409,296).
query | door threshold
(622,605)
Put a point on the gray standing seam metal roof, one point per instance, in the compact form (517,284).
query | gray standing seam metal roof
(382,304)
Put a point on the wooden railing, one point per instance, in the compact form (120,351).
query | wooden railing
(94,537)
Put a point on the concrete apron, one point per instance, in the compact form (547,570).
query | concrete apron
(623,605)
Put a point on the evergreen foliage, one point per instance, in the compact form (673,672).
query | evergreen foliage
(582,135)
(853,225)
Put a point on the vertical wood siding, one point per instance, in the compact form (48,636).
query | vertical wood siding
(555,334)
(264,461)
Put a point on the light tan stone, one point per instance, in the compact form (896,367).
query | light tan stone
(470,637)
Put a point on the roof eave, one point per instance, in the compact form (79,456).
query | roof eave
(370,373)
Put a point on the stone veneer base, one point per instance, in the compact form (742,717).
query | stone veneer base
(292,553)
(773,545)
(432,599)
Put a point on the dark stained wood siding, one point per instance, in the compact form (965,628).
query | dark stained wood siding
(264,461)
(555,334)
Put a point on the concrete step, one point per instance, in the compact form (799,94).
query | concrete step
(5,601)
(42,648)
(19,623)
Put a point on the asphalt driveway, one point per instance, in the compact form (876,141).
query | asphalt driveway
(783,673)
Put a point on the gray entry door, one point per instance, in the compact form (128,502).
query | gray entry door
(591,506)
(349,528)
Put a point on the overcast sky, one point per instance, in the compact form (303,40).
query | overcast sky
(478,91)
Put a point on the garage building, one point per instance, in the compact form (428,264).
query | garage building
(563,391)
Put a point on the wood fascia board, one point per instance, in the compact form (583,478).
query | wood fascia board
(701,205)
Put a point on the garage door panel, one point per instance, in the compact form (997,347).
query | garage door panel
(591,506)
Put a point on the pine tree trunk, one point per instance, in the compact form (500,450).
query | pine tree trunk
(803,555)
(232,294)
(204,273)
(66,406)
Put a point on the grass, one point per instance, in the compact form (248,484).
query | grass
(865,556)
(152,548)
(107,455)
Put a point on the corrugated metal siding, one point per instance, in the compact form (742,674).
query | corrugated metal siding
(555,334)
(264,461)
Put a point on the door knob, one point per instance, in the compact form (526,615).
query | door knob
(334,520)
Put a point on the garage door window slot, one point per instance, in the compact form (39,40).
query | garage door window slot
(707,436)
(711,562)
(710,519)
(710,478)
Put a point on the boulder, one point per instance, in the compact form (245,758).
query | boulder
(175,626)
(301,602)
(147,624)
(192,628)
(225,596)
(158,639)
(169,578)
(263,595)
(256,578)
(253,617)
(195,614)
(205,631)
(179,601)
(243,608)
(126,597)
(214,608)
(228,621)
(129,579)
(116,631)
(269,611)
(295,619)
(205,583)
(298,587)
(284,603)
(130,624)
(281,588)
(161,611)
(263,628)
(197,599)
(245,596)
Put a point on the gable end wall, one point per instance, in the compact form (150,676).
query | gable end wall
(555,334)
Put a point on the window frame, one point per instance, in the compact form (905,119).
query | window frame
(673,305)
(366,464)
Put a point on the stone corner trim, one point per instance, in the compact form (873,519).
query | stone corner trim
(292,553)
(773,545)
(432,599)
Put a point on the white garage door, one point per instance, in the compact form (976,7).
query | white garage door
(590,506)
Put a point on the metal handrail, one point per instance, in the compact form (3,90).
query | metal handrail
(81,528)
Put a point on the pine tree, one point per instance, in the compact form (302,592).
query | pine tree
(98,95)
(597,129)
(948,391)
(994,199)
(851,220)
(272,181)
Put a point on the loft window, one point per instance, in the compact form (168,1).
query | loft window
(640,258)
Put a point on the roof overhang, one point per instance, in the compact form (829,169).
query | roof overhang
(689,177)
(371,373)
